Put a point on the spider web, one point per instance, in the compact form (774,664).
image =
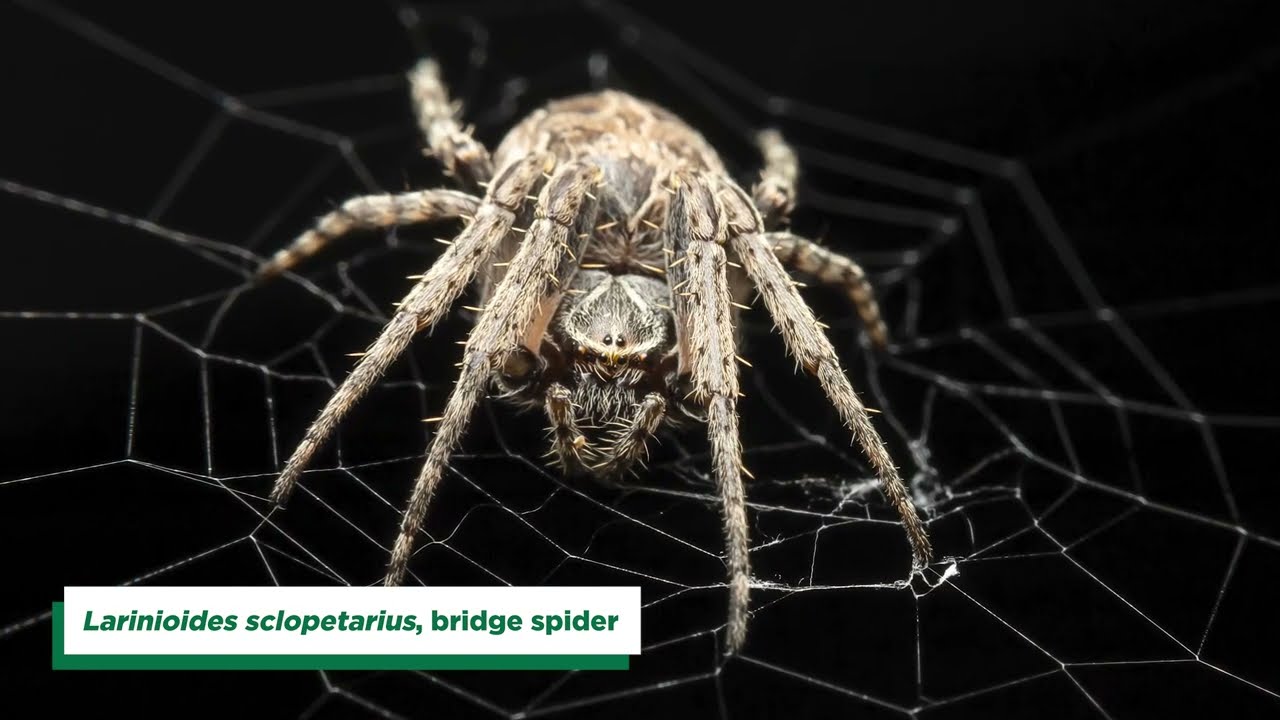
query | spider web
(1103,543)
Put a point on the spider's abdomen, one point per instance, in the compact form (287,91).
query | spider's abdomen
(611,125)
(636,143)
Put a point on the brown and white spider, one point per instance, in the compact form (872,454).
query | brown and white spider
(610,299)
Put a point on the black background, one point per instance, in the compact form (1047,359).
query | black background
(1147,128)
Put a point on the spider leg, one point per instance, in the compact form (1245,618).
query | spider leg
(569,444)
(371,212)
(775,194)
(832,268)
(544,263)
(696,230)
(807,341)
(461,154)
(425,304)
(774,197)
(629,442)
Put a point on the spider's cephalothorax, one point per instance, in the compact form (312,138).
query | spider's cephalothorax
(607,362)
(613,253)
(618,340)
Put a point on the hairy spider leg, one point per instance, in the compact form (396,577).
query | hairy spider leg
(568,444)
(836,270)
(775,196)
(564,217)
(463,157)
(697,228)
(775,193)
(806,340)
(628,441)
(763,256)
(422,307)
(370,212)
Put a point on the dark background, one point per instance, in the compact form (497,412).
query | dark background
(1146,128)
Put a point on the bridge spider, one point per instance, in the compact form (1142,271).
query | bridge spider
(609,299)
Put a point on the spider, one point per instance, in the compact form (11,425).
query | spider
(603,231)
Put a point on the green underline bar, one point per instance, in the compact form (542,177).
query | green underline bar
(341,662)
(62,661)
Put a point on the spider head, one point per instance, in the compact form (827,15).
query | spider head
(614,324)
(610,345)
(612,340)
(607,342)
